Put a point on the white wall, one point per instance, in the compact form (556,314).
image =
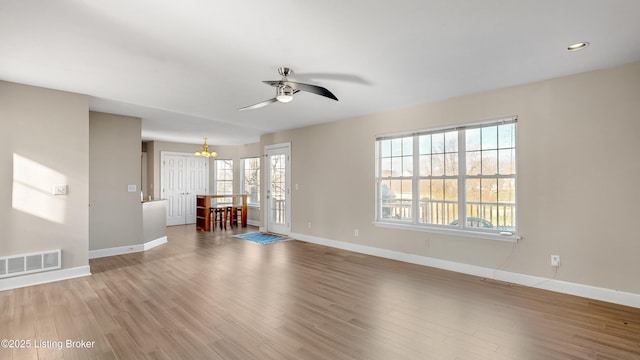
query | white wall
(44,140)
(578,178)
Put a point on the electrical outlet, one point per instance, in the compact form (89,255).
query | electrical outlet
(555,260)
(356,232)
(309,225)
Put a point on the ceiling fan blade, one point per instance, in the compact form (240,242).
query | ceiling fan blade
(318,90)
(259,105)
(274,83)
(315,89)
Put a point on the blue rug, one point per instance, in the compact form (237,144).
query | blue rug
(262,238)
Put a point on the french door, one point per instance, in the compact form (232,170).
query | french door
(278,209)
(183,177)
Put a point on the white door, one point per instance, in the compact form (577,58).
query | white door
(278,188)
(183,177)
(197,184)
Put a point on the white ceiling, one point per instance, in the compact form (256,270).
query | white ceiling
(186,66)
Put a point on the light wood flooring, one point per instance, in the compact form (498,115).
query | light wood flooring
(211,296)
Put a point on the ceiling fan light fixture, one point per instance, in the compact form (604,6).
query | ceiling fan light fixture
(284,94)
(577,46)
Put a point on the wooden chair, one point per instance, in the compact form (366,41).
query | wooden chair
(217,217)
(230,216)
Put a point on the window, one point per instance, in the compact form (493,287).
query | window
(435,178)
(224,179)
(250,183)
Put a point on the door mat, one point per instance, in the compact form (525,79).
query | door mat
(262,238)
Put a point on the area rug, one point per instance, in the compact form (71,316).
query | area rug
(262,238)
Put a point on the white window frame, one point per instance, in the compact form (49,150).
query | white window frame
(462,177)
(243,175)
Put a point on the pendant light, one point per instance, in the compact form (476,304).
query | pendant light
(205,151)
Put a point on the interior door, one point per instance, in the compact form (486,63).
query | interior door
(183,178)
(278,188)
(197,183)
(174,188)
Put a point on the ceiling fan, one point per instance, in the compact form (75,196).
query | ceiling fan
(285,90)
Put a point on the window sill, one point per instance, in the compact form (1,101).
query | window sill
(506,236)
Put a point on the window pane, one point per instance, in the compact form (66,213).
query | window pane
(489,137)
(451,141)
(437,163)
(407,189)
(385,148)
(425,165)
(386,193)
(396,147)
(472,139)
(507,161)
(489,162)
(425,144)
(507,191)
(506,136)
(407,166)
(437,143)
(437,189)
(425,191)
(385,167)
(451,190)
(386,198)
(451,164)
(434,209)
(251,180)
(474,163)
(473,190)
(489,190)
(396,166)
(407,146)
(396,199)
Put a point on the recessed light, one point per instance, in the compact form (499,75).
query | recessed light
(577,46)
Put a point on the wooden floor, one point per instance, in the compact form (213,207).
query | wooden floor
(211,296)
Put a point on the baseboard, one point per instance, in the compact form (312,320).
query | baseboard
(121,250)
(253,223)
(44,277)
(587,291)
(153,243)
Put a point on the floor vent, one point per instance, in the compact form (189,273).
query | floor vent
(30,263)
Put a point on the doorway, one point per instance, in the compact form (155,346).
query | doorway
(278,193)
(184,176)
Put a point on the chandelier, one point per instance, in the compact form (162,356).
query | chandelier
(205,151)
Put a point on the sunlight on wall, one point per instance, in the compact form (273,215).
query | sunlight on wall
(33,190)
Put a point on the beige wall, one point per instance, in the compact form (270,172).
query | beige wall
(44,140)
(577,183)
(115,217)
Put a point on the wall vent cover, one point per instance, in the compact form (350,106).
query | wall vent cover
(30,263)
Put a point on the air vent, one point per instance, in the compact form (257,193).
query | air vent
(30,263)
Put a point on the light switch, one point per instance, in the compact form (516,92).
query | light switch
(131,188)
(60,189)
